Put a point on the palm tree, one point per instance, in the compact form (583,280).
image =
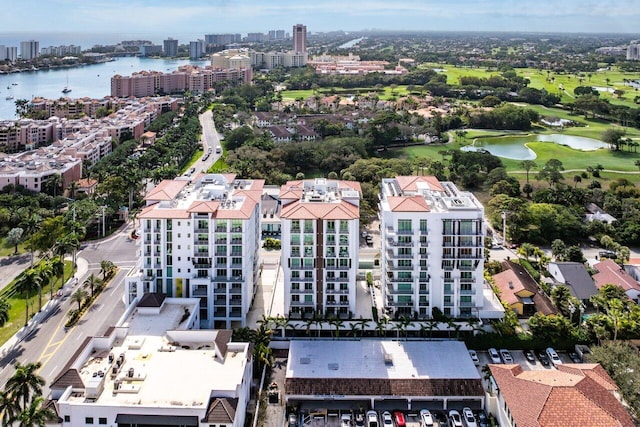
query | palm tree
(57,267)
(92,282)
(35,414)
(79,296)
(31,224)
(73,187)
(4,311)
(26,284)
(527,165)
(8,408)
(45,271)
(25,383)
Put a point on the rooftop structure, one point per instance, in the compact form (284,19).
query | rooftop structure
(576,277)
(412,373)
(575,394)
(154,365)
(432,249)
(200,238)
(610,273)
(521,291)
(320,244)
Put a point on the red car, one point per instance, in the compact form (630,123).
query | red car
(398,418)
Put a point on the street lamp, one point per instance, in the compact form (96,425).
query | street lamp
(504,228)
(103,221)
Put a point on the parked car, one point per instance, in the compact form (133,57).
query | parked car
(553,356)
(455,420)
(469,419)
(218,150)
(544,359)
(574,357)
(293,420)
(506,356)
(369,240)
(474,357)
(483,421)
(426,419)
(494,356)
(359,419)
(531,358)
(387,419)
(345,420)
(398,418)
(372,419)
(582,351)
(608,254)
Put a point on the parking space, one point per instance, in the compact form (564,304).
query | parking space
(519,358)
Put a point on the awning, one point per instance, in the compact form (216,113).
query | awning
(158,420)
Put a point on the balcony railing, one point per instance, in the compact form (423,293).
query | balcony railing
(302,303)
(401,279)
(393,291)
(337,291)
(199,292)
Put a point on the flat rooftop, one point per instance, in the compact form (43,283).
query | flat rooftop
(163,364)
(379,359)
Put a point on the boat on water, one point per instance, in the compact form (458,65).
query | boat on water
(66,88)
(9,97)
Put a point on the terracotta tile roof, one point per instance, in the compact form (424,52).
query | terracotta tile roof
(166,190)
(153,212)
(521,280)
(581,393)
(221,410)
(611,273)
(318,210)
(384,387)
(87,182)
(410,183)
(408,204)
(203,206)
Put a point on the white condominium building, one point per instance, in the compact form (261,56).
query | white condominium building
(200,239)
(320,226)
(432,248)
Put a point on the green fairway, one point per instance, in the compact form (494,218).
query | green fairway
(384,93)
(562,84)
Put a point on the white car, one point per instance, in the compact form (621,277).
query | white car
(372,419)
(553,357)
(345,420)
(469,419)
(455,420)
(426,419)
(506,356)
(387,419)
(474,357)
(494,356)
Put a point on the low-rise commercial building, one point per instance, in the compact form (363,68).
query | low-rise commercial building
(156,368)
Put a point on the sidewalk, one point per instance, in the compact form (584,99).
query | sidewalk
(12,266)
(69,286)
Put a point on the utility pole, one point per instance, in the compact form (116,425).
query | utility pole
(103,221)
(504,229)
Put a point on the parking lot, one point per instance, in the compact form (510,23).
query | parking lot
(519,358)
(332,418)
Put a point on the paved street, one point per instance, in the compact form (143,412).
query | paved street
(209,139)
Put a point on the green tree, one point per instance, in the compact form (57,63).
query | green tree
(551,172)
(613,137)
(57,267)
(92,283)
(45,271)
(558,249)
(35,414)
(107,268)
(8,408)
(4,311)
(25,383)
(79,296)
(28,283)
(527,165)
(14,237)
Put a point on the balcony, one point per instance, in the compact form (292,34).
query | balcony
(220,302)
(333,279)
(400,279)
(236,229)
(302,303)
(235,313)
(424,232)
(393,291)
(295,229)
(201,241)
(221,229)
(424,290)
(202,254)
(199,292)
(220,312)
(337,291)
(219,290)
(337,267)
(448,303)
(201,229)
(408,303)
(226,279)
(332,303)
(221,241)
(467,304)
(391,254)
(404,232)
(202,265)
(236,241)
(467,291)
(235,302)
(308,230)
(235,290)
(448,290)
(395,243)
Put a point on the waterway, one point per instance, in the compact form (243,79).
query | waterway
(93,81)
(515,147)
(350,43)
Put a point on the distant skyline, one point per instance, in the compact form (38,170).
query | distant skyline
(173,18)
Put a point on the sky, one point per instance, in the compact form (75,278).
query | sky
(182,17)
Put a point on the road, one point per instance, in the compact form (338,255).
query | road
(50,343)
(210,140)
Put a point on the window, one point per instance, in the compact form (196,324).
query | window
(404,263)
(331,226)
(308,286)
(308,298)
(448,227)
(404,240)
(404,226)
(331,239)
(88,420)
(466,227)
(295,286)
(423,225)
(67,419)
(465,286)
(102,420)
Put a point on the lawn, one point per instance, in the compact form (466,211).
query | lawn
(562,84)
(196,156)
(17,302)
(7,250)
(385,93)
(219,166)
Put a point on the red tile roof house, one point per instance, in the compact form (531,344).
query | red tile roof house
(611,273)
(573,395)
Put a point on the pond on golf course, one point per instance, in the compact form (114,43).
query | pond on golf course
(514,147)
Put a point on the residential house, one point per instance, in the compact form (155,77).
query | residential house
(521,291)
(576,277)
(608,272)
(574,394)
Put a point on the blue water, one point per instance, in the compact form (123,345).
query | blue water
(92,81)
(350,43)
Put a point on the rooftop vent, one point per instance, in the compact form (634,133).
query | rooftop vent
(457,202)
(305,360)
(333,366)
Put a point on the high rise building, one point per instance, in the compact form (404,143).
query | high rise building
(12,53)
(633,52)
(300,38)
(201,239)
(432,248)
(29,49)
(320,243)
(170,47)
(196,49)
(3,52)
